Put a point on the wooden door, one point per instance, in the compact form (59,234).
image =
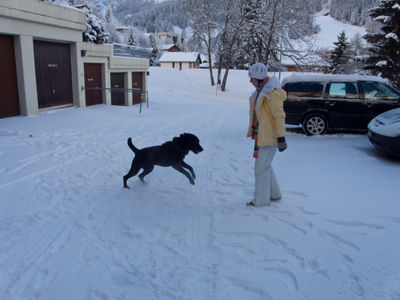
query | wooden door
(9,101)
(137,83)
(53,74)
(117,81)
(93,80)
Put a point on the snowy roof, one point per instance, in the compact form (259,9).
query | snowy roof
(166,47)
(179,57)
(331,77)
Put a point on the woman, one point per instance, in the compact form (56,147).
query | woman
(267,128)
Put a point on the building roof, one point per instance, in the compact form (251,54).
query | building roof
(167,47)
(179,57)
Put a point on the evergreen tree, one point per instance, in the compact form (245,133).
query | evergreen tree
(340,55)
(252,48)
(131,39)
(384,56)
(95,32)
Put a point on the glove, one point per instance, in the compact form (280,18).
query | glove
(282,143)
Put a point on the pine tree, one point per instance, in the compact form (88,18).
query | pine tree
(254,31)
(131,39)
(340,55)
(95,32)
(384,56)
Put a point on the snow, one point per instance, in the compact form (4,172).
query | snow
(331,28)
(386,124)
(69,230)
(314,77)
(392,35)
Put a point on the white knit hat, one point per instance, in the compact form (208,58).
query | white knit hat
(258,71)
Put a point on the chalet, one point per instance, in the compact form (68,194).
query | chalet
(180,60)
(169,48)
(309,63)
(45,64)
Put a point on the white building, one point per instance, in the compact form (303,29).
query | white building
(45,64)
(180,60)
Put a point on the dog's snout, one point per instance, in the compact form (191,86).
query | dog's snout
(199,149)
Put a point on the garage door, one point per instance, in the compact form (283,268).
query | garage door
(9,103)
(93,80)
(137,82)
(53,74)
(117,81)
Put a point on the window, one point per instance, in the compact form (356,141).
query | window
(305,89)
(378,91)
(345,90)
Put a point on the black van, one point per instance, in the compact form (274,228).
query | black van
(321,102)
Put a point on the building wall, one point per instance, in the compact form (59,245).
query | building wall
(30,20)
(103,54)
(175,65)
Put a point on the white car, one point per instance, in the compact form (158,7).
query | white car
(384,132)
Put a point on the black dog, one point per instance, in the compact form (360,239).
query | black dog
(169,154)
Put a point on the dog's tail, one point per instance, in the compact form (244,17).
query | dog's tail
(133,148)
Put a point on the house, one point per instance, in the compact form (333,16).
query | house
(165,37)
(308,63)
(180,60)
(169,48)
(45,64)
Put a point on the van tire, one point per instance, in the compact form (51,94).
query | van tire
(315,124)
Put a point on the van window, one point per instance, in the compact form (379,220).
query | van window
(345,90)
(304,89)
(378,91)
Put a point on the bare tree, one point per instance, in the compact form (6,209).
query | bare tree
(204,27)
(231,14)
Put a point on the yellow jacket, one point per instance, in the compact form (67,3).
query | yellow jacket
(270,115)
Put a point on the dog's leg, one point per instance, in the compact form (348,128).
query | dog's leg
(132,172)
(146,170)
(184,172)
(185,165)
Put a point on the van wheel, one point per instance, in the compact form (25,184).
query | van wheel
(315,124)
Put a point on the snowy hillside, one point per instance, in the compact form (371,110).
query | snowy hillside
(69,230)
(331,28)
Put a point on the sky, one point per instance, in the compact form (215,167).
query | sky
(69,230)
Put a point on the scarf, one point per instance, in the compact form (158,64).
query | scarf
(254,125)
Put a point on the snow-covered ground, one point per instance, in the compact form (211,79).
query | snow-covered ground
(69,230)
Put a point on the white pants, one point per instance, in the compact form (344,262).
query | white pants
(267,186)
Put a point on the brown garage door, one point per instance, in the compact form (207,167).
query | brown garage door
(92,80)
(117,81)
(9,103)
(53,74)
(137,82)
